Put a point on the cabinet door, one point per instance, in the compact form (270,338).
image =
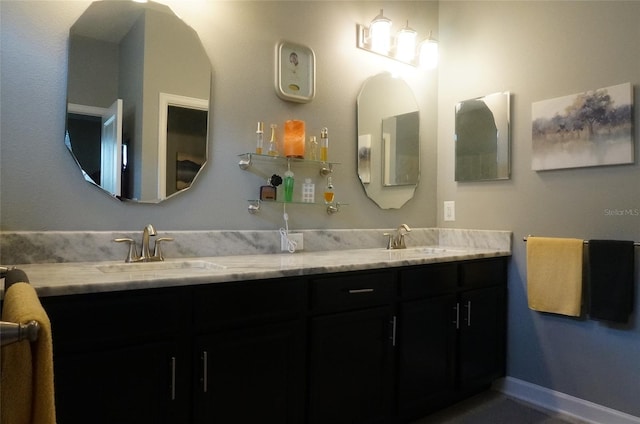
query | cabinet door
(252,375)
(482,336)
(138,384)
(120,357)
(350,367)
(426,361)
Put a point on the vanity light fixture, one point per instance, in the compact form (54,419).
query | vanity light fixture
(406,44)
(380,34)
(376,38)
(428,53)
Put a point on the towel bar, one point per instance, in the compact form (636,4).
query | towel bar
(5,269)
(12,275)
(635,243)
(12,332)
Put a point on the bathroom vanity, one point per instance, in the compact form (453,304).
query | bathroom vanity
(381,341)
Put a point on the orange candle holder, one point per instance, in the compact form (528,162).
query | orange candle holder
(294,139)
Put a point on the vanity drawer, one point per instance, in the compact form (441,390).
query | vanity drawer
(344,292)
(241,303)
(428,280)
(116,318)
(484,273)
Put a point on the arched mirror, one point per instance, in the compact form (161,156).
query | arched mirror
(388,141)
(138,91)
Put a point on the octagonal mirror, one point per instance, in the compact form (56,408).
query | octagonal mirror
(388,140)
(482,138)
(138,95)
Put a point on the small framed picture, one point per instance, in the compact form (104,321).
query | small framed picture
(295,72)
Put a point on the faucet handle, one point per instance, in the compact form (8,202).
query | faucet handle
(400,241)
(157,250)
(132,256)
(404,227)
(402,231)
(389,240)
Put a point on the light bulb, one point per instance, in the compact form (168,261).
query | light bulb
(406,44)
(429,54)
(380,34)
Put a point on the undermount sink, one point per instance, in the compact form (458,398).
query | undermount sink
(429,250)
(160,266)
(435,250)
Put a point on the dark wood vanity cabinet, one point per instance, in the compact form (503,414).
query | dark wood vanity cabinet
(427,336)
(220,353)
(251,376)
(483,323)
(121,357)
(250,352)
(351,342)
(379,346)
(452,333)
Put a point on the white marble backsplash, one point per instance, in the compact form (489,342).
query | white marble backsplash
(27,247)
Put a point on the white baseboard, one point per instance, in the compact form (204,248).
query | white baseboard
(562,403)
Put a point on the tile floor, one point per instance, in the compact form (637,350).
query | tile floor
(495,408)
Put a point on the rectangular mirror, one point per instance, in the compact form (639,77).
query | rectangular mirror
(482,138)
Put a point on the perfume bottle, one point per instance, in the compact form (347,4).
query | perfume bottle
(273,143)
(324,144)
(308,191)
(269,191)
(288,186)
(313,148)
(328,192)
(259,137)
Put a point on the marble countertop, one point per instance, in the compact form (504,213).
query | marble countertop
(54,279)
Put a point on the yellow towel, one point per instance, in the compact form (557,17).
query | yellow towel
(26,374)
(554,275)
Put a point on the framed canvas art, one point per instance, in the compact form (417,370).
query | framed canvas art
(593,128)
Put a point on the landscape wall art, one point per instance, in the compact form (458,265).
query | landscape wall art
(593,128)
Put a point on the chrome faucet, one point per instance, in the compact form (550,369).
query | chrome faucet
(147,232)
(146,255)
(396,239)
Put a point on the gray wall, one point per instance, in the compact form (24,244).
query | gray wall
(541,50)
(42,189)
(535,50)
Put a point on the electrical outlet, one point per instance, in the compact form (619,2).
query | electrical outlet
(449,210)
(295,237)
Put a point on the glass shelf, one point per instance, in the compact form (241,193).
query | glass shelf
(325,168)
(282,202)
(255,204)
(248,159)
